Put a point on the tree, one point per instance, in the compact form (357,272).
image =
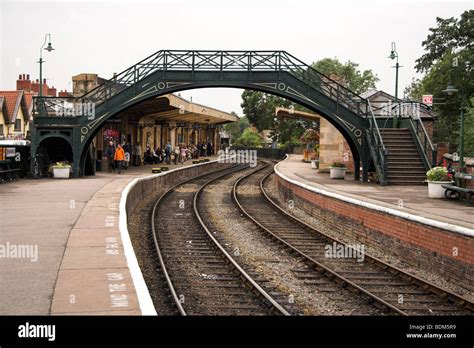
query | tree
(235,129)
(259,107)
(249,138)
(448,60)
(356,80)
(449,36)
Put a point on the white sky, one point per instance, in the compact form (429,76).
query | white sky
(107,37)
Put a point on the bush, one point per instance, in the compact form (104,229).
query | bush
(437,174)
(338,165)
(248,139)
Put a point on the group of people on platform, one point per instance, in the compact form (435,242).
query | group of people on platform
(121,157)
(177,154)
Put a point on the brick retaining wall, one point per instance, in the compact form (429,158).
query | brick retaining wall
(417,244)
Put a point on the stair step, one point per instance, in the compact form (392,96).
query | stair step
(393,130)
(407,164)
(406,171)
(398,141)
(395,152)
(401,147)
(410,176)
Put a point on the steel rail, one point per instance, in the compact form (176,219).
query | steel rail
(326,270)
(435,289)
(242,272)
(157,245)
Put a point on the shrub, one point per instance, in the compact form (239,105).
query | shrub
(437,174)
(338,165)
(62,165)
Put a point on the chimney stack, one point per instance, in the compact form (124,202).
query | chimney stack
(28,77)
(23,84)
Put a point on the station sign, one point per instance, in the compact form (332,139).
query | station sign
(427,99)
(197,126)
(211,126)
(114,120)
(181,125)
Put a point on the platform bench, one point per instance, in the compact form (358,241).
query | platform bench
(453,192)
(8,174)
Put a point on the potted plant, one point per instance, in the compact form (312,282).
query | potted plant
(61,170)
(435,177)
(337,170)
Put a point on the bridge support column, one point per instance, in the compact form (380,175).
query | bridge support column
(76,163)
(365,160)
(357,169)
(33,147)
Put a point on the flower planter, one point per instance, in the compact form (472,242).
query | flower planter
(314,164)
(337,172)
(61,173)
(435,190)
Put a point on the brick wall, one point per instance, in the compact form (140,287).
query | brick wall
(419,245)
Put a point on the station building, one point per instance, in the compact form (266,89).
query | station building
(152,123)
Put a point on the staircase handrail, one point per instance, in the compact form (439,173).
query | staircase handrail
(426,145)
(376,143)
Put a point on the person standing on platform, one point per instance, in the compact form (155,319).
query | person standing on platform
(119,157)
(168,150)
(127,149)
(109,156)
(176,154)
(137,155)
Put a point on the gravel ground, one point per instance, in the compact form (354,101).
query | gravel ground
(258,253)
(370,250)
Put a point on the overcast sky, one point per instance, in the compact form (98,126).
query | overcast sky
(107,37)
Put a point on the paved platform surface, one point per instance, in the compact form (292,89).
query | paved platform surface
(72,255)
(414,199)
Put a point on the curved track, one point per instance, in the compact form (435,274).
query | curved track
(203,278)
(385,286)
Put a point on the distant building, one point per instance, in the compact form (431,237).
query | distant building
(15,114)
(24,83)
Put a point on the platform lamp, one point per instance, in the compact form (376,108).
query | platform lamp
(394,55)
(450,91)
(49,48)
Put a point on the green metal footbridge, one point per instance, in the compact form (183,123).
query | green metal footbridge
(168,71)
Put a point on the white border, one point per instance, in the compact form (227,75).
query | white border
(420,219)
(144,299)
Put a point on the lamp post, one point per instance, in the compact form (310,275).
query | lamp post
(451,90)
(394,55)
(49,48)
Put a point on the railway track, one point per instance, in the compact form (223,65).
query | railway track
(202,277)
(385,286)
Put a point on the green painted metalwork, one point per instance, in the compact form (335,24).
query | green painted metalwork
(168,71)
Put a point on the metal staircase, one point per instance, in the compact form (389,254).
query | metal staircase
(404,163)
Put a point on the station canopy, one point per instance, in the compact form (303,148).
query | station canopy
(173,108)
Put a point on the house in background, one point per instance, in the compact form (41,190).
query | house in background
(16,107)
(15,114)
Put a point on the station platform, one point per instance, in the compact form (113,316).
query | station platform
(74,258)
(408,199)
